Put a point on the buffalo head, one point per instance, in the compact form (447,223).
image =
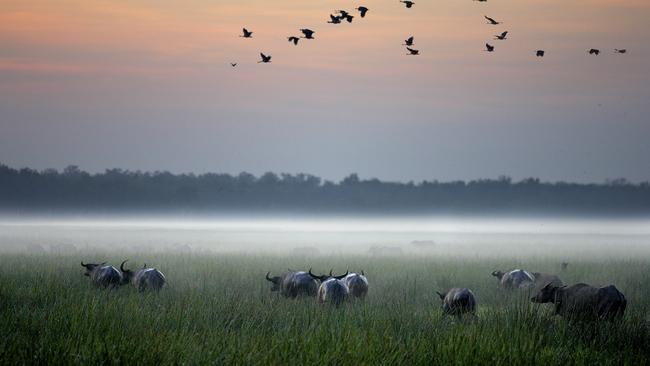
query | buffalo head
(91,267)
(546,294)
(276,281)
(498,274)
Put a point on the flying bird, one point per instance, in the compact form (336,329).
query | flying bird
(489,47)
(412,52)
(594,51)
(623,50)
(539,53)
(409,4)
(309,34)
(491,21)
(408,42)
(481,1)
(501,36)
(334,19)
(265,58)
(294,40)
(233,64)
(363,10)
(345,15)
(247,34)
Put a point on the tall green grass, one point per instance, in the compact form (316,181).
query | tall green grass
(218,309)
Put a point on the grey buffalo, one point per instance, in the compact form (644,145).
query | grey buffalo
(293,284)
(458,301)
(143,278)
(357,284)
(332,288)
(584,302)
(516,278)
(102,275)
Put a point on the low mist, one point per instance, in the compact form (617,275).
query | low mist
(561,239)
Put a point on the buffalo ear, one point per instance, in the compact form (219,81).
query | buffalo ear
(442,296)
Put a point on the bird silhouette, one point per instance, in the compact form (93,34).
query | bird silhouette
(362,10)
(408,41)
(481,1)
(233,64)
(539,53)
(345,15)
(265,58)
(309,34)
(334,19)
(412,52)
(294,40)
(409,4)
(491,21)
(622,50)
(594,51)
(501,36)
(247,34)
(489,47)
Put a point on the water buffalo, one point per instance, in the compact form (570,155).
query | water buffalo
(102,275)
(293,284)
(517,278)
(143,278)
(584,302)
(357,284)
(458,301)
(332,288)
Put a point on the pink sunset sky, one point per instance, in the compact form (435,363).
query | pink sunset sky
(148,85)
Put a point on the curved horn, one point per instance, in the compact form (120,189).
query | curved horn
(122,266)
(342,276)
(144,266)
(83,265)
(363,274)
(320,278)
(269,278)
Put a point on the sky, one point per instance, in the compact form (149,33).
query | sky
(147,85)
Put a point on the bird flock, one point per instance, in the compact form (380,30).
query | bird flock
(343,16)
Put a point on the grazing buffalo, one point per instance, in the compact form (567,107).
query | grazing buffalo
(102,275)
(357,284)
(584,302)
(458,301)
(293,284)
(517,278)
(332,288)
(143,278)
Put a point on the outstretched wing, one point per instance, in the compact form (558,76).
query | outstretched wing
(489,19)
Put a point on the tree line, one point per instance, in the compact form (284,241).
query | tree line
(74,190)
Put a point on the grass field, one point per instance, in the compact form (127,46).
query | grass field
(218,309)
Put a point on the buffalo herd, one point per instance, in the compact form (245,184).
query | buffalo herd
(145,278)
(577,302)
